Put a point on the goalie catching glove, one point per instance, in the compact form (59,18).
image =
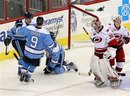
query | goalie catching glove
(110,53)
(126,40)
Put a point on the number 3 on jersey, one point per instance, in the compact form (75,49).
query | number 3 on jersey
(34,41)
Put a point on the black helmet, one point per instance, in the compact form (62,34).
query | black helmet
(18,22)
(28,15)
(39,21)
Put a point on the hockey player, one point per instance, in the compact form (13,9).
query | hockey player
(18,42)
(55,59)
(123,37)
(105,46)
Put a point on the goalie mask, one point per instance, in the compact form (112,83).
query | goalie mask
(95,24)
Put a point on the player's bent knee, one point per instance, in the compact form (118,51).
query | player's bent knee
(59,70)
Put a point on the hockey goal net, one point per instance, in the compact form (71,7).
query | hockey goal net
(80,25)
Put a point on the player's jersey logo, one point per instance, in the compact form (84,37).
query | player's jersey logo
(118,36)
(97,39)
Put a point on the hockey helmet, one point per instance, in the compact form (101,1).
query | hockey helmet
(28,15)
(39,21)
(116,20)
(95,23)
(115,17)
(18,22)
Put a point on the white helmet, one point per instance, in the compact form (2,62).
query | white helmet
(115,17)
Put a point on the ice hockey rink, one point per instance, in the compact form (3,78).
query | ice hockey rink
(66,84)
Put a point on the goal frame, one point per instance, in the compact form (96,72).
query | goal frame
(69,21)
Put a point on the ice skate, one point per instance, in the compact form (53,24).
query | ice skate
(115,83)
(22,76)
(25,77)
(28,78)
(19,71)
(73,66)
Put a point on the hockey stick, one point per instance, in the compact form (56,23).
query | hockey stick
(6,53)
(88,34)
(90,71)
(57,31)
(15,56)
(86,74)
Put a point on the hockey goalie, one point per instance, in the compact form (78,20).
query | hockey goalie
(105,46)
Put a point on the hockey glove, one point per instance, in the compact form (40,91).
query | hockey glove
(48,70)
(126,40)
(110,53)
(7,41)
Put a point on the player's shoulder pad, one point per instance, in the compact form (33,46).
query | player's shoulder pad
(33,22)
(30,27)
(106,30)
(109,25)
(44,31)
(123,27)
(13,28)
(56,48)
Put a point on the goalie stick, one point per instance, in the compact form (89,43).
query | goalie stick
(88,34)
(88,74)
(90,71)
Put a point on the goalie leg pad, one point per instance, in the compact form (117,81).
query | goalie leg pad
(94,63)
(95,67)
(107,71)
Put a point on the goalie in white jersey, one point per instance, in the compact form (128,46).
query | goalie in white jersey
(105,46)
(123,37)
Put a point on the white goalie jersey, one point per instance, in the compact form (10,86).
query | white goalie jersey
(103,39)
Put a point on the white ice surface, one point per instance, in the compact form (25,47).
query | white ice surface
(66,84)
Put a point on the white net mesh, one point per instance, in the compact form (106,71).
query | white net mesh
(81,19)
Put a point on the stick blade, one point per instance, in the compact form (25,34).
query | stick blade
(83,74)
